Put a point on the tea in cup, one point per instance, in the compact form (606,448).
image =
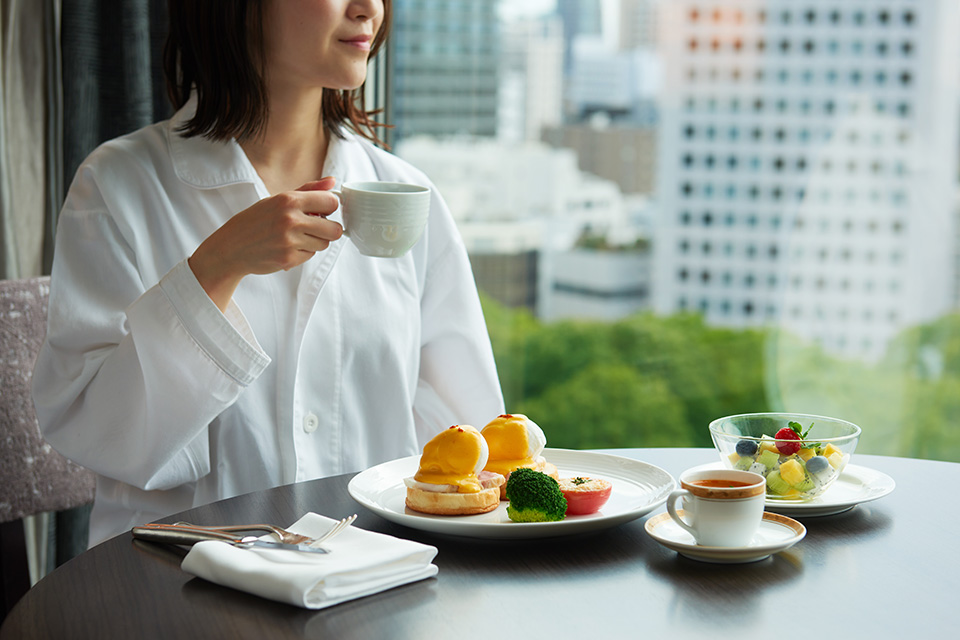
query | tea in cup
(384,219)
(721,508)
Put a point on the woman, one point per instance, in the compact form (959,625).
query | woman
(209,332)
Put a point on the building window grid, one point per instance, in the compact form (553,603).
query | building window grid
(889,80)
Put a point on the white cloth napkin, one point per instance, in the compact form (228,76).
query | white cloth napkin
(360,563)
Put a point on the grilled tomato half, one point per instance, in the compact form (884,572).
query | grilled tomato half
(585,495)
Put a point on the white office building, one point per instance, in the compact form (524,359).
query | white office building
(637,24)
(486,182)
(586,284)
(531,78)
(808,160)
(515,202)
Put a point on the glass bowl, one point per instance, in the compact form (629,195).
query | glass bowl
(795,468)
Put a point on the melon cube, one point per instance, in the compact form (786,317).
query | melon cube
(769,445)
(836,460)
(806,454)
(734,457)
(792,472)
(829,450)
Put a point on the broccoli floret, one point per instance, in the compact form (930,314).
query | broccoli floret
(534,497)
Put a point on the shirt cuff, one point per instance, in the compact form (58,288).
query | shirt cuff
(226,337)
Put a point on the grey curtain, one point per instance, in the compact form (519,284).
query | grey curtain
(29,125)
(112,77)
(73,74)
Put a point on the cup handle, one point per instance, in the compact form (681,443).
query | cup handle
(672,510)
(340,198)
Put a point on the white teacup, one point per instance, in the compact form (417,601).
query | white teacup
(384,219)
(721,508)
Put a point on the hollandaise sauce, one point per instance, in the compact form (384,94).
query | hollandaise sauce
(452,457)
(508,440)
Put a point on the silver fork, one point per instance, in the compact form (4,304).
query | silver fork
(335,531)
(285,536)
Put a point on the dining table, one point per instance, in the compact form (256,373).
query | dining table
(882,568)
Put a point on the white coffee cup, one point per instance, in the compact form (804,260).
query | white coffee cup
(721,508)
(383,219)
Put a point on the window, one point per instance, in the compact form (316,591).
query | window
(778,185)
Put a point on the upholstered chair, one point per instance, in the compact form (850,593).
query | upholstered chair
(34,478)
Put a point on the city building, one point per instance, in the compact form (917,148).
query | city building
(638,24)
(443,75)
(531,78)
(580,18)
(624,154)
(509,278)
(612,113)
(517,207)
(808,161)
(486,181)
(595,284)
(622,85)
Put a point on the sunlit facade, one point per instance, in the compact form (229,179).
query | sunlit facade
(807,164)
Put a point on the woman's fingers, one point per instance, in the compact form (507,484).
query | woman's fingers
(276,233)
(323,184)
(318,199)
(320,232)
(316,203)
(305,212)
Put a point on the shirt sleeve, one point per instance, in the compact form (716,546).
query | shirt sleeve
(458,376)
(130,376)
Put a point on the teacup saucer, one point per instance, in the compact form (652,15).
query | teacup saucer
(777,533)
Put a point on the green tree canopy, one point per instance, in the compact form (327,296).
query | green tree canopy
(650,381)
(609,405)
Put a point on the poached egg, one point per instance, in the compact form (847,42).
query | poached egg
(451,461)
(514,441)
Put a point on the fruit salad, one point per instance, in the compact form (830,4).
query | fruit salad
(795,467)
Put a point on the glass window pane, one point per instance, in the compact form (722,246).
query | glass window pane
(678,210)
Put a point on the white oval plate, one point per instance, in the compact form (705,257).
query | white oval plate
(776,533)
(855,485)
(638,488)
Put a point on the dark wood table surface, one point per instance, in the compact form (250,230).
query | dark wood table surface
(885,569)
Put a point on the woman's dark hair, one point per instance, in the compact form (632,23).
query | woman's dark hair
(216,49)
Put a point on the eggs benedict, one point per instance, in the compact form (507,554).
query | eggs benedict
(515,441)
(451,480)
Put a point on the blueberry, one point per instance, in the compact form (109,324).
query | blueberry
(747,448)
(817,464)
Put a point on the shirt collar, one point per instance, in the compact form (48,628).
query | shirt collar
(205,163)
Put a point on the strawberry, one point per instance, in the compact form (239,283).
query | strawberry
(787,448)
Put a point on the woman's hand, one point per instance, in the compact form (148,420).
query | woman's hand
(279,232)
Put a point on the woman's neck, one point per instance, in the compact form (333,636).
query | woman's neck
(293,147)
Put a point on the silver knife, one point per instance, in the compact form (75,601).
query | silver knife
(180,534)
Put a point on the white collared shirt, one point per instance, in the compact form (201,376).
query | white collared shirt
(342,363)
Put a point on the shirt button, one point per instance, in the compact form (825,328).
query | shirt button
(310,423)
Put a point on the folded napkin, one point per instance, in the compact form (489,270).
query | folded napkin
(360,563)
